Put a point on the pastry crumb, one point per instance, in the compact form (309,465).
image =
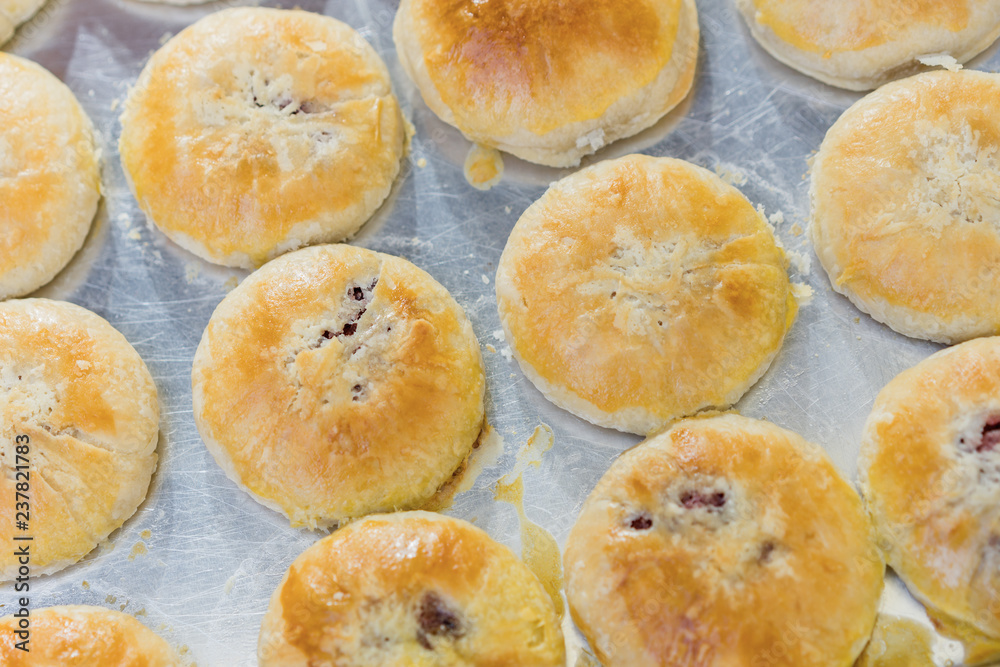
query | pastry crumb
(730,174)
(940,60)
(803,293)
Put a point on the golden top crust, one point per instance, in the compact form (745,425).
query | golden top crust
(720,542)
(412,589)
(49,179)
(514,73)
(643,289)
(76,391)
(256,131)
(905,216)
(859,44)
(930,473)
(336,382)
(84,636)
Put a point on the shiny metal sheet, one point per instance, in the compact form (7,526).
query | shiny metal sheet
(200,559)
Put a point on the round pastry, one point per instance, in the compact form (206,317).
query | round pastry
(411,588)
(724,541)
(256,131)
(905,215)
(82,636)
(79,421)
(49,178)
(13,13)
(930,473)
(336,382)
(549,80)
(643,289)
(861,44)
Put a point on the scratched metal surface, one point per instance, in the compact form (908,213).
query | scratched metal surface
(212,555)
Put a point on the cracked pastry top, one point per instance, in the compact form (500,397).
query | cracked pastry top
(643,289)
(724,541)
(13,13)
(49,176)
(930,473)
(336,382)
(410,588)
(73,387)
(906,205)
(256,131)
(84,636)
(549,81)
(862,44)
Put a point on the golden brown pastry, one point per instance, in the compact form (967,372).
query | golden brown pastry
(905,214)
(336,382)
(256,131)
(411,589)
(83,636)
(15,12)
(861,44)
(549,80)
(930,473)
(724,541)
(643,289)
(76,395)
(49,179)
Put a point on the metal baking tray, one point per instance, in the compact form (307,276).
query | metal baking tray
(200,558)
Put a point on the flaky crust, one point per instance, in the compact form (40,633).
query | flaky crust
(861,44)
(905,216)
(15,12)
(256,131)
(643,289)
(336,382)
(49,177)
(410,589)
(74,386)
(931,477)
(724,541)
(84,636)
(546,80)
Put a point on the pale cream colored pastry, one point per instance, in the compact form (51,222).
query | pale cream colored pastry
(643,289)
(256,131)
(905,212)
(724,541)
(336,382)
(411,589)
(78,396)
(549,80)
(861,44)
(49,178)
(83,636)
(15,12)
(930,473)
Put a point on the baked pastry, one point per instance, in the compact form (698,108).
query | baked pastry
(256,131)
(15,12)
(49,179)
(904,208)
(549,80)
(861,44)
(81,402)
(724,541)
(83,636)
(643,289)
(930,473)
(336,382)
(411,588)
